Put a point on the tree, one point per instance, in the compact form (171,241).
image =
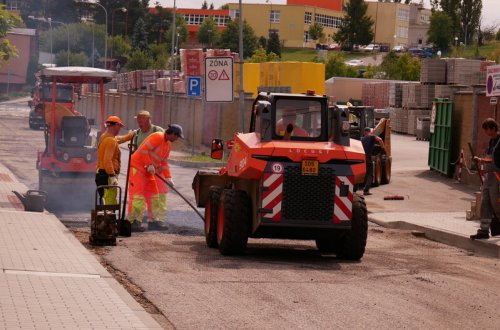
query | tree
(440,31)
(230,38)
(274,45)
(335,67)
(204,5)
(404,67)
(7,22)
(139,60)
(357,27)
(315,31)
(140,36)
(208,34)
(260,56)
(182,31)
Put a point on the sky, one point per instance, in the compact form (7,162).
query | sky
(491,14)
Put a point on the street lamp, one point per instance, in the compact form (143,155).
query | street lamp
(50,21)
(456,41)
(172,64)
(123,10)
(270,15)
(105,28)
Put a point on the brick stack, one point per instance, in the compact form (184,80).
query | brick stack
(399,120)
(433,71)
(460,71)
(412,95)
(376,94)
(396,95)
(413,114)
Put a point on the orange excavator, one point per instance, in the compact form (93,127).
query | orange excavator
(280,182)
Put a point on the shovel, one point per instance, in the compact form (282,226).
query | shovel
(178,193)
(124,226)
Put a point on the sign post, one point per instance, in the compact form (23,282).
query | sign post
(219,79)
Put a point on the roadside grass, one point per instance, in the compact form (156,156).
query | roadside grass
(197,158)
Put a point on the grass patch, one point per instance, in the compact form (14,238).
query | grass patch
(198,158)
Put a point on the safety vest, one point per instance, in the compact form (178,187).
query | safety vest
(154,150)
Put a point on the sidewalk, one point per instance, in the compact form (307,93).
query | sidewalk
(49,280)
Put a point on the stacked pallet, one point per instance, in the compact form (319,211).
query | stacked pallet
(428,94)
(399,120)
(144,78)
(460,71)
(413,114)
(376,94)
(396,94)
(412,95)
(433,71)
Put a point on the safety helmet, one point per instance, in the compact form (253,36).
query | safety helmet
(175,129)
(115,120)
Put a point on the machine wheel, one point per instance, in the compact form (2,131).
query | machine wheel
(377,172)
(233,221)
(353,243)
(386,171)
(211,210)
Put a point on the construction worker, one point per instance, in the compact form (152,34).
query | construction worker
(368,141)
(490,190)
(108,160)
(145,129)
(288,127)
(149,159)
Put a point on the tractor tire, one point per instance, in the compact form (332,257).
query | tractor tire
(353,243)
(386,171)
(377,172)
(233,222)
(211,210)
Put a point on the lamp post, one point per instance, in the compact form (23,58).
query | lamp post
(270,15)
(123,10)
(456,41)
(50,21)
(105,28)
(172,65)
(242,90)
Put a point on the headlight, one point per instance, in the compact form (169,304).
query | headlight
(88,157)
(65,156)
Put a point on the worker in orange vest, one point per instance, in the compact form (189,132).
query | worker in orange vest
(490,190)
(151,158)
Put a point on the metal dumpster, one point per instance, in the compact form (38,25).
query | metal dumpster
(422,131)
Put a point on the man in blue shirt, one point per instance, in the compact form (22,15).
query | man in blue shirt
(368,141)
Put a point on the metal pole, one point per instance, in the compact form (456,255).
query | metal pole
(242,91)
(51,57)
(105,28)
(172,44)
(67,33)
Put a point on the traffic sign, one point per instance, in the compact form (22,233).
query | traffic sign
(193,86)
(493,80)
(219,79)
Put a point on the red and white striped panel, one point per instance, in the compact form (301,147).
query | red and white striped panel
(343,204)
(273,196)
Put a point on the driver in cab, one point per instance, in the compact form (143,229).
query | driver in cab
(288,127)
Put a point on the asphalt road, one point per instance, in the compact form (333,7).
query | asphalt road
(403,281)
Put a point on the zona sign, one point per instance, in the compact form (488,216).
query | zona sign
(219,79)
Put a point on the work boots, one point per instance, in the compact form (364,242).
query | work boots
(481,234)
(156,225)
(495,227)
(137,227)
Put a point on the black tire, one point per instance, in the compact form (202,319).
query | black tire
(353,243)
(211,210)
(377,172)
(233,222)
(386,171)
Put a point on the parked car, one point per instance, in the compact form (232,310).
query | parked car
(355,62)
(398,48)
(371,48)
(334,47)
(420,52)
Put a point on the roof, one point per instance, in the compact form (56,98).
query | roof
(78,74)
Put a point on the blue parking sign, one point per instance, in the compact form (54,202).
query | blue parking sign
(193,86)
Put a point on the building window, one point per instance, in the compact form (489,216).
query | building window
(424,18)
(307,17)
(234,13)
(403,14)
(328,21)
(275,16)
(194,19)
(13,5)
(402,32)
(306,36)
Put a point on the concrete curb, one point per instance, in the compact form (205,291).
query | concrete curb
(481,247)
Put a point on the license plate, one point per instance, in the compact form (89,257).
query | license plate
(310,167)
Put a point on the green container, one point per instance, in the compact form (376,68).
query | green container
(440,136)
